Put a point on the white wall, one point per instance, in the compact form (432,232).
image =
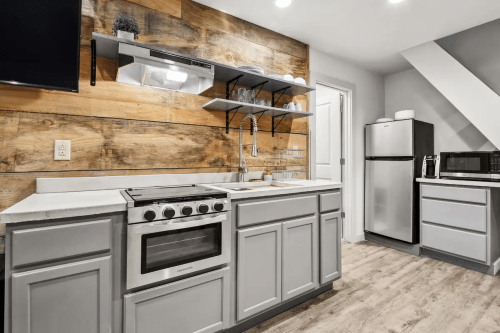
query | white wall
(476,49)
(452,131)
(368,105)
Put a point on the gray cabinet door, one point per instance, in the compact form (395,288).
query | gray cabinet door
(198,304)
(72,298)
(259,269)
(300,256)
(330,245)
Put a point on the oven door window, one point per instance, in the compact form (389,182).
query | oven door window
(178,247)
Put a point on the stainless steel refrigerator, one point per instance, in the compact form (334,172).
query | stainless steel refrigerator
(394,156)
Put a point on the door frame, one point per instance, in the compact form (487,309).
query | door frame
(349,90)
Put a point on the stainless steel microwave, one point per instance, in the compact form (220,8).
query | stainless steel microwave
(479,165)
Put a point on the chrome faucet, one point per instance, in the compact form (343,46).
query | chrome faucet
(243,169)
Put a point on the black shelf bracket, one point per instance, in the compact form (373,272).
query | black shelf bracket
(228,84)
(93,62)
(251,123)
(261,85)
(261,114)
(282,90)
(227,117)
(275,127)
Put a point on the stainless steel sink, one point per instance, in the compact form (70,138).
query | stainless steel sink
(249,186)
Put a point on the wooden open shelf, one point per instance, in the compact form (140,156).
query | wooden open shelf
(220,104)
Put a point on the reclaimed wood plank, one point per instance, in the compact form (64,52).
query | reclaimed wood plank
(110,144)
(157,28)
(210,18)
(170,7)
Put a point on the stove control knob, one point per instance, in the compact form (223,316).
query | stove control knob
(168,212)
(187,210)
(149,215)
(202,208)
(218,206)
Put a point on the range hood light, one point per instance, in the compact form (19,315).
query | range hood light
(176,76)
(142,66)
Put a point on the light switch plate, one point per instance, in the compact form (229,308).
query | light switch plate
(62,150)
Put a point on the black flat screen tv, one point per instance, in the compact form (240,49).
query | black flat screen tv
(40,43)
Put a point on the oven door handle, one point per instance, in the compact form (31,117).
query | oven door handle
(170,225)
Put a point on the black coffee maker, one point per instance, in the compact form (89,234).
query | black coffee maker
(430,167)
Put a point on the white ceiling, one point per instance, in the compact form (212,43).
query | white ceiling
(370,33)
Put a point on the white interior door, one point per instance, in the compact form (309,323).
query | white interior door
(328,133)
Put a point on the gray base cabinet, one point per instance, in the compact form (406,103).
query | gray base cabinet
(72,298)
(462,222)
(199,304)
(330,247)
(300,256)
(259,269)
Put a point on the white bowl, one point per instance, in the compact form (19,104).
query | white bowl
(405,114)
(288,77)
(300,80)
(384,120)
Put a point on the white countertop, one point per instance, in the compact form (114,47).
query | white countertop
(289,187)
(62,205)
(47,206)
(458,182)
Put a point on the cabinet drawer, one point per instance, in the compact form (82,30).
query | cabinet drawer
(454,214)
(455,193)
(273,210)
(462,243)
(55,242)
(330,201)
(197,304)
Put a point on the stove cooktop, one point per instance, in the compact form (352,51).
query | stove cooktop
(149,195)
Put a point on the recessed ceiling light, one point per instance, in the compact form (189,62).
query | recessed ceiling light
(283,3)
(396,1)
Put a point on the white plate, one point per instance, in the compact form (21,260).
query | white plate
(254,69)
(384,120)
(276,76)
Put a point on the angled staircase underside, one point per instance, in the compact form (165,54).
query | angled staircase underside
(464,90)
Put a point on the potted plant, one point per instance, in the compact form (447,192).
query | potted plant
(126,27)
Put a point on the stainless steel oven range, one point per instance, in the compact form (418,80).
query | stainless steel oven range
(174,231)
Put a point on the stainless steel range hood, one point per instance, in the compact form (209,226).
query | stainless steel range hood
(146,67)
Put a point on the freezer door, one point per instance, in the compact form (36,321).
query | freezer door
(390,139)
(389,198)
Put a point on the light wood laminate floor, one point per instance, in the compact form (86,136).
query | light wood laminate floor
(384,290)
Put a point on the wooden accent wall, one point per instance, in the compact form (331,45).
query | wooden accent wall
(120,129)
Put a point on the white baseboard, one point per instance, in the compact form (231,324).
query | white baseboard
(496,267)
(358,238)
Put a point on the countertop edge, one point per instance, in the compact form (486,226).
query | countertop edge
(471,183)
(293,190)
(22,217)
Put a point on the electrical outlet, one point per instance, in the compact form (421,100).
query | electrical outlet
(62,150)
